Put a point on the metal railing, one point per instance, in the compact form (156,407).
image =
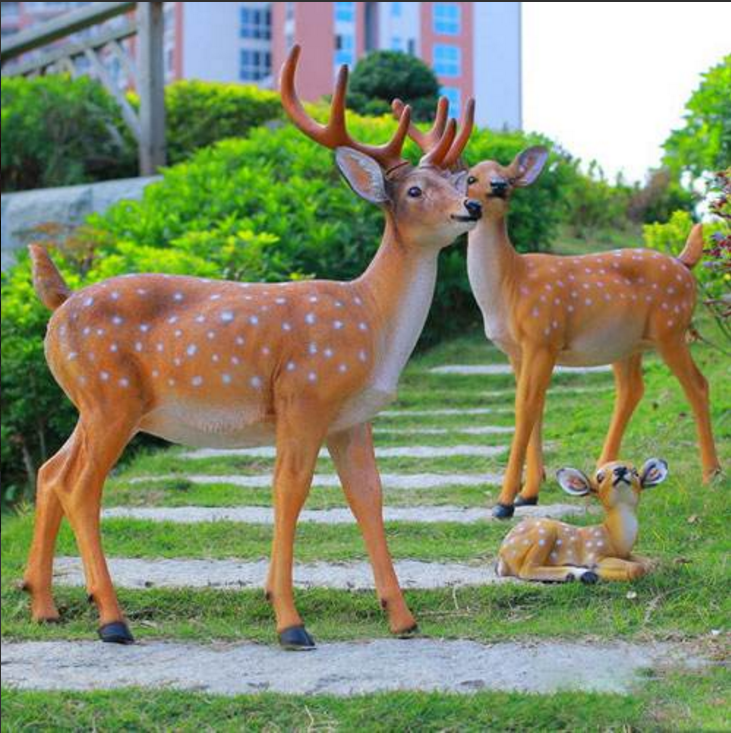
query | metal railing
(144,22)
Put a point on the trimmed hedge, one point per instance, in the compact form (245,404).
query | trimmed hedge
(269,207)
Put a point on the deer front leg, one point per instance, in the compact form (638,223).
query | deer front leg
(300,432)
(630,389)
(535,376)
(614,568)
(535,473)
(354,459)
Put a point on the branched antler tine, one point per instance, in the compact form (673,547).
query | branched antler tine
(436,155)
(426,140)
(337,108)
(465,130)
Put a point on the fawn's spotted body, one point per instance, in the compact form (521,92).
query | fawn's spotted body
(210,363)
(549,550)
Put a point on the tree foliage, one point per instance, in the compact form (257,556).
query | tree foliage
(381,76)
(703,144)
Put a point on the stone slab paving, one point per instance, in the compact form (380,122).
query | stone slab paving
(445,412)
(493,369)
(399,481)
(232,574)
(479,430)
(344,668)
(265,514)
(405,451)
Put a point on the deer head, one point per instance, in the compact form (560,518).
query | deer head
(615,483)
(422,201)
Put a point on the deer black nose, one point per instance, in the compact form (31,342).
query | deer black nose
(621,471)
(474,208)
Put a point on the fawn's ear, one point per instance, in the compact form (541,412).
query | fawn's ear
(654,472)
(528,165)
(363,175)
(573,481)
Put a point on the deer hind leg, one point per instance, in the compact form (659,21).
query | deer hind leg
(354,459)
(630,389)
(93,449)
(533,380)
(38,576)
(300,432)
(535,566)
(614,568)
(678,357)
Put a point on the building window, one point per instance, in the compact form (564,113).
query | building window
(255,65)
(256,23)
(344,50)
(447,19)
(397,43)
(455,99)
(290,11)
(447,60)
(345,12)
(411,46)
(396,10)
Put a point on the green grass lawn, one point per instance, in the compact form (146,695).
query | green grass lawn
(683,525)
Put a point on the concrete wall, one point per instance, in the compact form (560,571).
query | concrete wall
(68,206)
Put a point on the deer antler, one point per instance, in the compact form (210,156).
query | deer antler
(430,143)
(335,133)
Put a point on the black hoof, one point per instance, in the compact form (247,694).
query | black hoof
(409,633)
(522,501)
(116,633)
(589,577)
(296,639)
(503,511)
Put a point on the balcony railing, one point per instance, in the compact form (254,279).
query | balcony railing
(144,22)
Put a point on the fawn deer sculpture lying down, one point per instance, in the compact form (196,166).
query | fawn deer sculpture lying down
(548,550)
(212,363)
(542,310)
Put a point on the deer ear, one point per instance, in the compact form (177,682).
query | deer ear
(363,175)
(654,472)
(573,481)
(528,165)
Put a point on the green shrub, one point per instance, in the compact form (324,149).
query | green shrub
(200,113)
(58,131)
(381,76)
(269,207)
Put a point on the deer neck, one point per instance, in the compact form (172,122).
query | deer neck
(622,527)
(494,268)
(398,287)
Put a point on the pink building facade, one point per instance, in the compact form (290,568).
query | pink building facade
(474,48)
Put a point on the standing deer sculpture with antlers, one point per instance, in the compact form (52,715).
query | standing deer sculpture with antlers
(212,363)
(543,310)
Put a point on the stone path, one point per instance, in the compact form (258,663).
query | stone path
(403,481)
(466,430)
(337,669)
(445,412)
(496,369)
(197,573)
(265,515)
(404,451)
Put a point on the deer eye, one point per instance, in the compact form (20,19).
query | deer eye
(600,477)
(471,180)
(414,192)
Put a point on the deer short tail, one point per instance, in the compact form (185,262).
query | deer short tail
(47,280)
(693,250)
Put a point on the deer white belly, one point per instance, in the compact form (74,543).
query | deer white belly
(211,426)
